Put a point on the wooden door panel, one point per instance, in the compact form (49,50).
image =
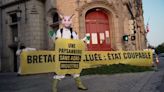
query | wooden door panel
(97,22)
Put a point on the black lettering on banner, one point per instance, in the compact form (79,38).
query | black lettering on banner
(40,59)
(29,59)
(71,51)
(64,57)
(109,56)
(136,55)
(114,56)
(131,55)
(149,55)
(49,58)
(118,56)
(45,58)
(125,55)
(71,45)
(61,50)
(53,58)
(69,65)
(93,57)
(140,55)
(35,59)
(97,57)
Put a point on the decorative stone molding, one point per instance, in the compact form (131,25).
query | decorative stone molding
(125,2)
(33,10)
(50,11)
(98,2)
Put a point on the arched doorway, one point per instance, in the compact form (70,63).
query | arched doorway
(97,26)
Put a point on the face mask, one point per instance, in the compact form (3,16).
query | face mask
(66,21)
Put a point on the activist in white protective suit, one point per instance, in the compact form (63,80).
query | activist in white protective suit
(20,49)
(67,33)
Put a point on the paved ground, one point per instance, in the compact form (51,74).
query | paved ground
(161,87)
(129,82)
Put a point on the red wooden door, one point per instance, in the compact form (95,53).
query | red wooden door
(97,25)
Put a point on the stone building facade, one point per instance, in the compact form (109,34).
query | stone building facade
(107,21)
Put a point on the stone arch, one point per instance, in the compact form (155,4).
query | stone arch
(104,4)
(50,16)
(109,10)
(52,24)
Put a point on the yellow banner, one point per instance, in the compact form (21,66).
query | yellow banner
(96,58)
(69,54)
(70,58)
(32,62)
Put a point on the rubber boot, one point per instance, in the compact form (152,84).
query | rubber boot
(54,85)
(80,84)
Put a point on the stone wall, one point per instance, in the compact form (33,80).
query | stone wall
(36,18)
(117,9)
(31,29)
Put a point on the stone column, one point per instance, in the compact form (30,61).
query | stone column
(35,33)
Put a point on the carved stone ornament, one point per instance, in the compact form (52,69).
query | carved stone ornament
(98,2)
